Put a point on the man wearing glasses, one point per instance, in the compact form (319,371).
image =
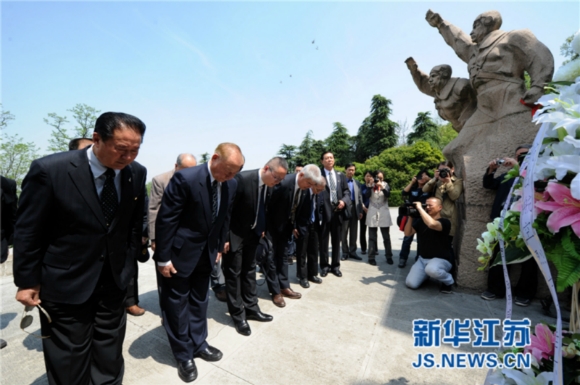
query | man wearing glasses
(247,226)
(77,235)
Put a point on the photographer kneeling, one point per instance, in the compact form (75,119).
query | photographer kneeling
(433,247)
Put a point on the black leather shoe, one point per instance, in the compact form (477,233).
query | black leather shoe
(258,316)
(211,354)
(355,256)
(187,371)
(314,279)
(243,328)
(324,272)
(304,283)
(402,262)
(363,252)
(390,260)
(344,257)
(336,271)
(372,262)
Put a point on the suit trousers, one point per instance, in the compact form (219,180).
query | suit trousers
(217,279)
(184,303)
(363,233)
(307,253)
(268,268)
(527,284)
(133,288)
(280,242)
(239,268)
(86,340)
(349,233)
(373,248)
(331,231)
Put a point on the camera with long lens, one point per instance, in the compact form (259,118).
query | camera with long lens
(444,172)
(412,210)
(377,180)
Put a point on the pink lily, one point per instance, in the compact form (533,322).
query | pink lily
(564,207)
(542,345)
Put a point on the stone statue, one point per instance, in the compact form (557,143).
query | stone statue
(496,61)
(454,97)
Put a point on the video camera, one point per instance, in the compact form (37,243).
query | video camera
(412,210)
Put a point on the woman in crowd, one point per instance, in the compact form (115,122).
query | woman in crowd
(378,216)
(413,192)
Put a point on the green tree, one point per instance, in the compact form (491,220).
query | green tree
(15,154)
(339,142)
(424,128)
(377,132)
(84,116)
(446,134)
(5,117)
(288,152)
(567,51)
(205,157)
(309,150)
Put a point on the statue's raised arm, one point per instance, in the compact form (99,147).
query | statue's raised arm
(420,78)
(453,36)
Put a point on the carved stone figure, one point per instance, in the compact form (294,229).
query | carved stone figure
(496,61)
(454,97)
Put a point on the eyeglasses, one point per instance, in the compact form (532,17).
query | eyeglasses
(276,177)
(26,320)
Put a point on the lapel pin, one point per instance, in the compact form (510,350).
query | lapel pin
(129,179)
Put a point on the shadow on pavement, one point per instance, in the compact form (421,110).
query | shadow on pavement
(6,318)
(150,345)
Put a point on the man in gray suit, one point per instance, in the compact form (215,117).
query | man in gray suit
(351,224)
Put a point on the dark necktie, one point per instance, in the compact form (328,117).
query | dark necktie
(295,206)
(332,182)
(313,208)
(109,198)
(214,200)
(261,216)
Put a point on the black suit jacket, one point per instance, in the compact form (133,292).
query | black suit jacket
(279,210)
(245,206)
(8,213)
(342,193)
(61,238)
(184,229)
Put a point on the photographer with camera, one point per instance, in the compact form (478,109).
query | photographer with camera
(378,215)
(448,188)
(527,285)
(434,254)
(412,193)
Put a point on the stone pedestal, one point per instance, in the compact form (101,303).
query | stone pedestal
(472,150)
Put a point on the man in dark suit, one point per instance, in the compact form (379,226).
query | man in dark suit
(335,206)
(191,231)
(284,219)
(350,225)
(247,226)
(9,206)
(8,216)
(75,248)
(307,246)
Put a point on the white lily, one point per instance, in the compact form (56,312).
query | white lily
(527,377)
(568,72)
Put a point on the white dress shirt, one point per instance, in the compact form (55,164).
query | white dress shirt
(99,170)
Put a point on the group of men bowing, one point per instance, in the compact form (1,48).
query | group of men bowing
(75,249)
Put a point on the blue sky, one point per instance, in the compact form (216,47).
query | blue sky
(200,73)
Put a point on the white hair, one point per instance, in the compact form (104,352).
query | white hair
(312,172)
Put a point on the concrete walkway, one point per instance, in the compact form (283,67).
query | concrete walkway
(351,330)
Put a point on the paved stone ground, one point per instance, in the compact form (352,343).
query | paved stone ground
(351,330)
